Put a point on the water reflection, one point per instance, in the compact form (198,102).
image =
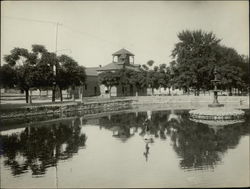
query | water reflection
(123,126)
(146,153)
(37,148)
(148,137)
(198,145)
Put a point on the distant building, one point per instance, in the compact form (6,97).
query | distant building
(121,59)
(92,87)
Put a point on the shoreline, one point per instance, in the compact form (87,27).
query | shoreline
(10,110)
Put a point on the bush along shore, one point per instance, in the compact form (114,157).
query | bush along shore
(85,108)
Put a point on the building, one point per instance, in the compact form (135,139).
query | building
(92,87)
(121,59)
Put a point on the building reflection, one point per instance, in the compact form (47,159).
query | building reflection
(123,126)
(38,148)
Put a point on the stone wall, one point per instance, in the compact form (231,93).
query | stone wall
(190,102)
(84,108)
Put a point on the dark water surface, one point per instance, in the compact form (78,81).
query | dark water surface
(111,151)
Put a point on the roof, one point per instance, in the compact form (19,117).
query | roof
(123,51)
(111,66)
(91,71)
(115,66)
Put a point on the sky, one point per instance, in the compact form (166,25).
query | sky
(90,32)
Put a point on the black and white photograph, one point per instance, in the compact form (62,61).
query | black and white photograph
(124,94)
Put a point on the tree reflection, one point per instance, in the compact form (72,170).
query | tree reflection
(198,145)
(37,148)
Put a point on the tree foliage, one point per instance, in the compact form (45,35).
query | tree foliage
(109,79)
(34,70)
(197,54)
(7,76)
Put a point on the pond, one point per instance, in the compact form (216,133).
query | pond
(110,150)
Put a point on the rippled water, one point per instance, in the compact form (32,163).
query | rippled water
(111,151)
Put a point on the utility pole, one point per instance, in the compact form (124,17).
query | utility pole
(54,67)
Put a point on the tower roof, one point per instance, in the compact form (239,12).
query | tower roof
(123,51)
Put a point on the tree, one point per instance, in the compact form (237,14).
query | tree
(245,73)
(22,62)
(62,80)
(139,80)
(148,68)
(163,77)
(35,70)
(178,79)
(195,57)
(69,74)
(232,69)
(44,67)
(132,78)
(109,79)
(7,76)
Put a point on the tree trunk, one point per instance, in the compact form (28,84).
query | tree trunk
(61,95)
(30,97)
(73,88)
(123,90)
(40,93)
(53,93)
(169,91)
(152,91)
(229,91)
(131,90)
(82,95)
(197,92)
(110,92)
(27,96)
(79,92)
(67,93)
